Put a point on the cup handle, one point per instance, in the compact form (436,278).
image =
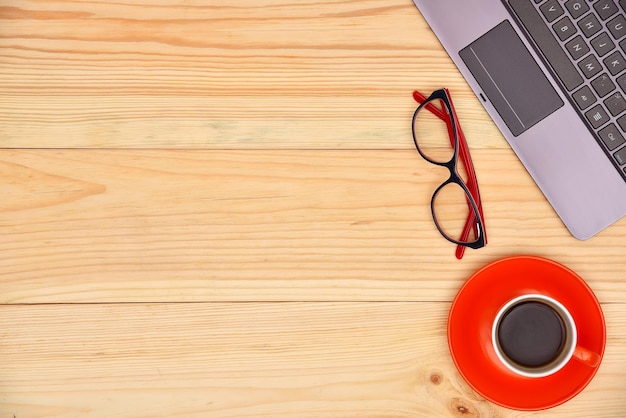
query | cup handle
(586,356)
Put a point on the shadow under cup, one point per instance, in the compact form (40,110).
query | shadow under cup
(534,335)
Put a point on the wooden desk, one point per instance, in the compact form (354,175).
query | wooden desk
(214,209)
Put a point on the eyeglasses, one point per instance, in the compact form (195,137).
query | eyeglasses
(455,205)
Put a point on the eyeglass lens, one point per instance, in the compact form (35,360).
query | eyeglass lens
(450,210)
(432,133)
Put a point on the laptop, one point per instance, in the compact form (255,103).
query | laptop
(552,76)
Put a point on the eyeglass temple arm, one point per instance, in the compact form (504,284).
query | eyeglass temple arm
(472,184)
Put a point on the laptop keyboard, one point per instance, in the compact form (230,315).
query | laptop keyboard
(585,44)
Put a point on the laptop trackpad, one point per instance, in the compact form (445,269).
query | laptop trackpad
(511,78)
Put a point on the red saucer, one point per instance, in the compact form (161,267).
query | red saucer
(472,314)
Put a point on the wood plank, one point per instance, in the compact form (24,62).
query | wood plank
(146,226)
(165,74)
(255,359)
(287,266)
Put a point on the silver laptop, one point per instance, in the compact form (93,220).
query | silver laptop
(552,76)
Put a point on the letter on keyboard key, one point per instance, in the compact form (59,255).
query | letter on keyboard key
(602,44)
(577,47)
(589,25)
(615,63)
(577,8)
(551,10)
(617,27)
(564,28)
(590,66)
(605,8)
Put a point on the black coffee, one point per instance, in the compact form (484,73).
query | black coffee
(531,334)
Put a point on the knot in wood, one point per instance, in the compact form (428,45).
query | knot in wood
(436,378)
(462,408)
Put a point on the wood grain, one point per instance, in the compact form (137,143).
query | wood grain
(215,209)
(193,74)
(253,360)
(114,226)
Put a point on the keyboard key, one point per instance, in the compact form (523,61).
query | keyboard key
(602,44)
(589,25)
(621,81)
(577,8)
(615,63)
(577,47)
(584,97)
(547,43)
(605,9)
(612,137)
(603,85)
(620,156)
(617,27)
(615,104)
(622,123)
(564,28)
(597,116)
(551,10)
(590,66)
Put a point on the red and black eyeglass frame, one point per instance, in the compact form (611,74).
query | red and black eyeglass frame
(475,220)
